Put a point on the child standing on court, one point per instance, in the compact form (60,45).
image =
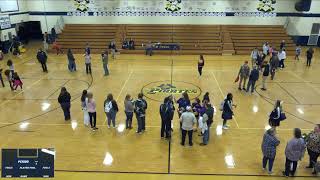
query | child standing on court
(87,59)
(298,52)
(16,81)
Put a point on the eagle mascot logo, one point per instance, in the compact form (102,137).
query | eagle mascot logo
(173,5)
(82,5)
(266,5)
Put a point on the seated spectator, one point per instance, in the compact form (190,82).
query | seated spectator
(125,44)
(131,44)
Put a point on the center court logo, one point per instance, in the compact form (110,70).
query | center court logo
(160,89)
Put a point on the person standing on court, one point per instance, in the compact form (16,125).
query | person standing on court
(87,60)
(172,110)
(298,52)
(253,78)
(254,56)
(64,100)
(265,74)
(227,110)
(91,107)
(111,109)
(183,102)
(128,109)
(282,57)
(46,41)
(188,120)
(87,49)
(149,50)
(207,122)
(105,61)
(276,115)
(265,50)
(309,56)
(274,64)
(244,73)
(113,49)
(42,58)
(313,146)
(269,149)
(200,64)
(84,108)
(294,152)
(140,110)
(71,61)
(165,121)
(9,76)
(10,65)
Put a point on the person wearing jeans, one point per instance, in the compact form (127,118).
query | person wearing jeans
(243,74)
(313,146)
(111,109)
(188,120)
(294,152)
(91,108)
(269,149)
(128,109)
(64,100)
(87,58)
(265,74)
(253,78)
(309,56)
(140,110)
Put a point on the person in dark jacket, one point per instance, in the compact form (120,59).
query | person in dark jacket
(64,100)
(71,61)
(42,58)
(282,44)
(227,111)
(206,97)
(275,115)
(200,64)
(309,56)
(274,64)
(269,149)
(53,34)
(265,74)
(111,109)
(140,111)
(87,49)
(253,78)
(165,119)
(131,44)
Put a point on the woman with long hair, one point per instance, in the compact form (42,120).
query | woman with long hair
(64,100)
(200,64)
(91,107)
(111,109)
(275,115)
(227,111)
(128,109)
(84,107)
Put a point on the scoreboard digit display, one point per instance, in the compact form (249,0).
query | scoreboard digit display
(26,163)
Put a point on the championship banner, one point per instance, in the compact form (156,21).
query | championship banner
(5,22)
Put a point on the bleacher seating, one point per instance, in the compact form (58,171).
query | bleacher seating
(193,39)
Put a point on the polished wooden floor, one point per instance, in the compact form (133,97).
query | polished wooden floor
(32,118)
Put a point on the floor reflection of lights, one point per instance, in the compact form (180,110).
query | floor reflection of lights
(219,130)
(24,125)
(121,128)
(45,106)
(229,161)
(108,159)
(255,109)
(74,124)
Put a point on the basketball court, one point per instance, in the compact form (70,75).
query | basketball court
(33,117)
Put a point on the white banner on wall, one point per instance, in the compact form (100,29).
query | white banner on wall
(5,22)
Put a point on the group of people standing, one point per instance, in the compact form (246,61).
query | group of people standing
(294,151)
(12,77)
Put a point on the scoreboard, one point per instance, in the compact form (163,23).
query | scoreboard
(28,163)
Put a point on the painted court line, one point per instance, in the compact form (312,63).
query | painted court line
(123,86)
(36,82)
(223,96)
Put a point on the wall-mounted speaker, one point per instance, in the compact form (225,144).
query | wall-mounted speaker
(303,5)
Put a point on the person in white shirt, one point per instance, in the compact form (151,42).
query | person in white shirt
(265,50)
(282,55)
